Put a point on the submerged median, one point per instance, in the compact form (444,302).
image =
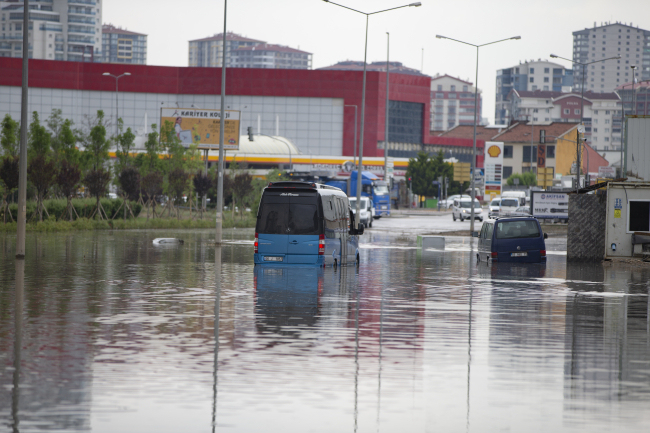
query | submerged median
(56,217)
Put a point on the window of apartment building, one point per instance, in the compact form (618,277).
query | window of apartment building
(452,95)
(550,151)
(507,151)
(606,112)
(595,130)
(535,119)
(576,111)
(567,111)
(546,71)
(532,70)
(545,88)
(465,90)
(453,88)
(535,110)
(534,88)
(440,88)
(607,121)
(526,156)
(546,79)
(606,140)
(440,95)
(606,129)
(531,79)
(507,171)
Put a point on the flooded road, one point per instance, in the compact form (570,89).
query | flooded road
(107,332)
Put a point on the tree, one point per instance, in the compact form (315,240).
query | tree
(9,177)
(96,143)
(424,170)
(97,181)
(9,135)
(241,188)
(124,142)
(68,179)
(152,188)
(527,179)
(67,144)
(39,138)
(153,148)
(129,182)
(177,182)
(41,173)
(202,183)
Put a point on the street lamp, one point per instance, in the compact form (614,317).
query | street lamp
(473,194)
(222,125)
(387,99)
(285,143)
(355,133)
(363,92)
(117,78)
(582,101)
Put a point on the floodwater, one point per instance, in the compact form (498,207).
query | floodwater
(106,332)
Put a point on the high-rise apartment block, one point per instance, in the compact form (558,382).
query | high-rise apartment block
(452,103)
(60,29)
(529,76)
(606,41)
(242,52)
(123,46)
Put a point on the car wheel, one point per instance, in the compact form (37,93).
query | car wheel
(478,258)
(370,225)
(462,219)
(453,215)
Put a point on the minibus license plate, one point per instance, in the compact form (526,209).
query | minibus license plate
(524,254)
(384,207)
(272,259)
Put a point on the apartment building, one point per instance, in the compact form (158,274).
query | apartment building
(452,103)
(528,76)
(602,116)
(123,46)
(60,29)
(269,56)
(243,52)
(606,41)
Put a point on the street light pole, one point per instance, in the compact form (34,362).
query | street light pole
(582,104)
(288,147)
(24,120)
(363,91)
(222,125)
(355,133)
(387,99)
(472,183)
(117,78)
(633,67)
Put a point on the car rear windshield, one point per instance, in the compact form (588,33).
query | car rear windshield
(517,229)
(289,215)
(511,202)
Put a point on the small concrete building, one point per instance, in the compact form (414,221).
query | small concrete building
(628,219)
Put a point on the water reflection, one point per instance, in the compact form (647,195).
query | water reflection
(118,333)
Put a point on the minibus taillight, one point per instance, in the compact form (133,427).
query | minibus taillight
(494,254)
(542,253)
(321,244)
(256,242)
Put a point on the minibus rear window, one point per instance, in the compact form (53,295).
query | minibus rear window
(517,229)
(288,219)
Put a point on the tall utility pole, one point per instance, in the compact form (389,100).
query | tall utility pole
(387,103)
(24,120)
(363,91)
(117,79)
(473,194)
(355,132)
(222,125)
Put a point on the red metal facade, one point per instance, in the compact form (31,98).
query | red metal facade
(345,85)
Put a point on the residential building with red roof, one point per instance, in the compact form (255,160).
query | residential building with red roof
(123,46)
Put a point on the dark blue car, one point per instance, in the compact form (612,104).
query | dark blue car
(515,239)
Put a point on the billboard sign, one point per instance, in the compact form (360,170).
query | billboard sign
(607,172)
(545,204)
(194,125)
(493,168)
(541,156)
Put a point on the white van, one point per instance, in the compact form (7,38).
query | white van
(462,209)
(508,205)
(519,195)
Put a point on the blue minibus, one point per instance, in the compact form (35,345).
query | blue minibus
(514,239)
(305,223)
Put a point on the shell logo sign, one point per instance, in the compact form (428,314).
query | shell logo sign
(494,151)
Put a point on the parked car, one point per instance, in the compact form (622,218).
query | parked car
(494,207)
(521,211)
(519,195)
(514,239)
(462,209)
(508,205)
(366,210)
(448,203)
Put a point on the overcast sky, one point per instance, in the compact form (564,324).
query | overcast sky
(332,33)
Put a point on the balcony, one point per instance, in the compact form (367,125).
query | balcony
(83,12)
(83,2)
(88,21)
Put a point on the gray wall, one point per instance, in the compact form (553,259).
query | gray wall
(586,232)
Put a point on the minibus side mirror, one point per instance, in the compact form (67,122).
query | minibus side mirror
(474,234)
(360,229)
(545,235)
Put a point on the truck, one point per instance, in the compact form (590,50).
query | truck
(371,186)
